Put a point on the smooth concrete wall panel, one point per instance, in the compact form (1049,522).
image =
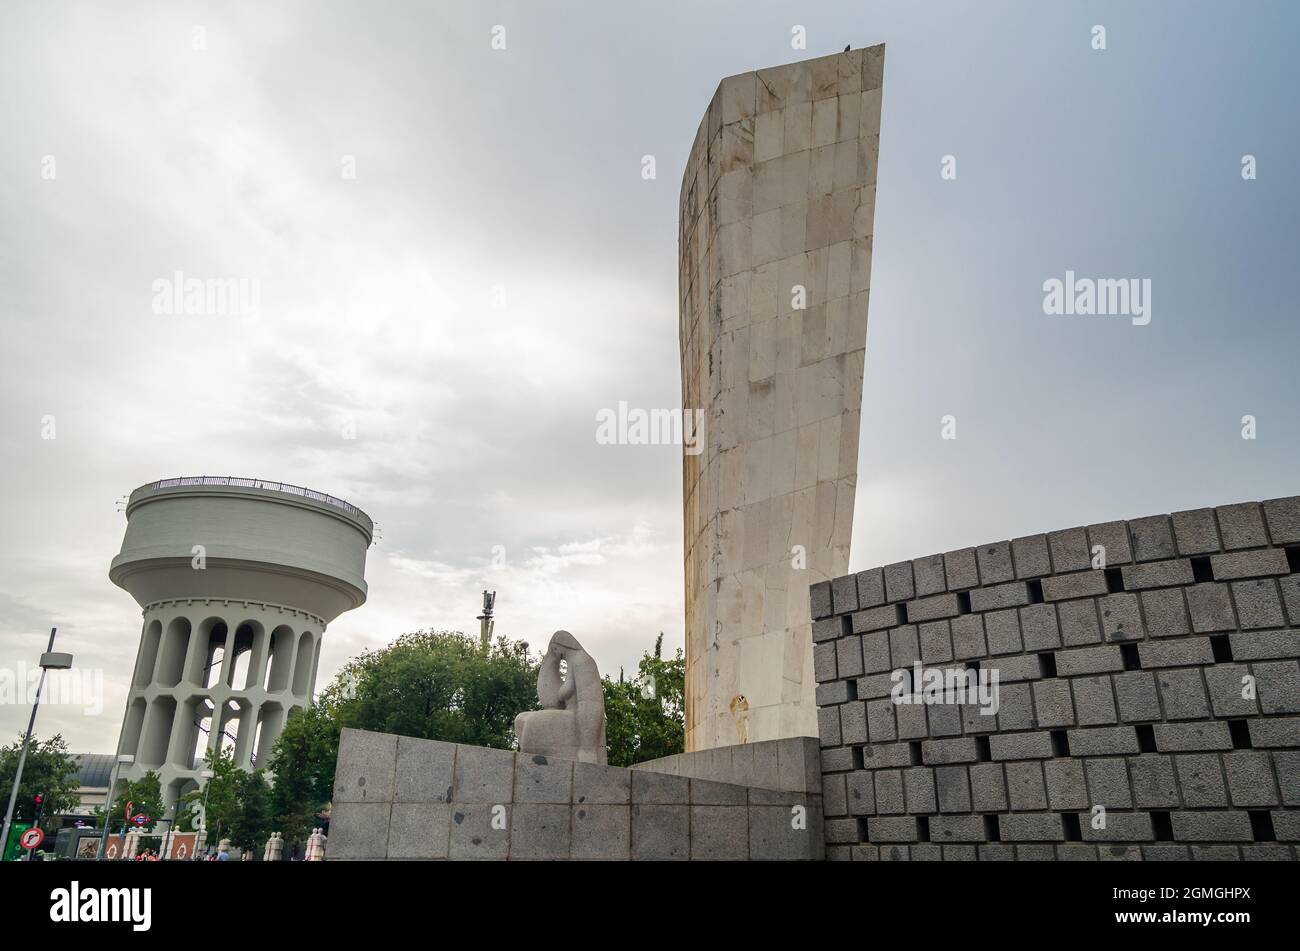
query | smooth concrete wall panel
(403,798)
(1148,695)
(776,221)
(256,543)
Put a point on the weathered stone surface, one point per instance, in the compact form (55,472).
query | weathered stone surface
(597,784)
(541,779)
(483,775)
(367,763)
(720,833)
(359,830)
(479,830)
(776,220)
(660,833)
(602,832)
(539,831)
(416,830)
(425,770)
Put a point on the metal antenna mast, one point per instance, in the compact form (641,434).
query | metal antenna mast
(485,619)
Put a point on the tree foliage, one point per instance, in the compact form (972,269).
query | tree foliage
(236,804)
(645,717)
(303,762)
(144,795)
(50,770)
(438,685)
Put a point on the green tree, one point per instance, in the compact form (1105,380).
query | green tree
(438,685)
(236,804)
(303,762)
(144,795)
(645,717)
(50,770)
(251,825)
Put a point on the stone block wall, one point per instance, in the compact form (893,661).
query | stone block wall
(1148,695)
(775,242)
(792,764)
(396,797)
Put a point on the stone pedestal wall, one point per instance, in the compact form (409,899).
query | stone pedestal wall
(792,764)
(396,797)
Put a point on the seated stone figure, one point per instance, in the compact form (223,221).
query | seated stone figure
(571,723)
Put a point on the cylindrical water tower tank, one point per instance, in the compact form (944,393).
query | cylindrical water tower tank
(237,578)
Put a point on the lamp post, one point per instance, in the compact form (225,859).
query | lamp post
(169,817)
(123,759)
(49,661)
(207,775)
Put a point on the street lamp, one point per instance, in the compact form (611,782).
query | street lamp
(207,775)
(169,817)
(123,759)
(49,661)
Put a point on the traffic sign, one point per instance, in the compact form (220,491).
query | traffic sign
(140,819)
(32,838)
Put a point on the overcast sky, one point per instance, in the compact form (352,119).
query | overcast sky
(522,169)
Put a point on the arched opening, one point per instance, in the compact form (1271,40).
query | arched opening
(206,661)
(148,653)
(231,714)
(302,667)
(257,739)
(270,723)
(315,661)
(172,793)
(255,670)
(157,733)
(238,670)
(277,671)
(172,663)
(202,732)
(212,670)
(201,656)
(132,725)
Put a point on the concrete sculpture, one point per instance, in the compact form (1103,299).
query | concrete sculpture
(571,723)
(316,843)
(274,848)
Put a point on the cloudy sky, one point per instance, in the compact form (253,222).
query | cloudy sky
(139,139)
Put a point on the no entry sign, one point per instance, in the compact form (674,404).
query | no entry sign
(32,838)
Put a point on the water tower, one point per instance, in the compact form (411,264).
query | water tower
(237,579)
